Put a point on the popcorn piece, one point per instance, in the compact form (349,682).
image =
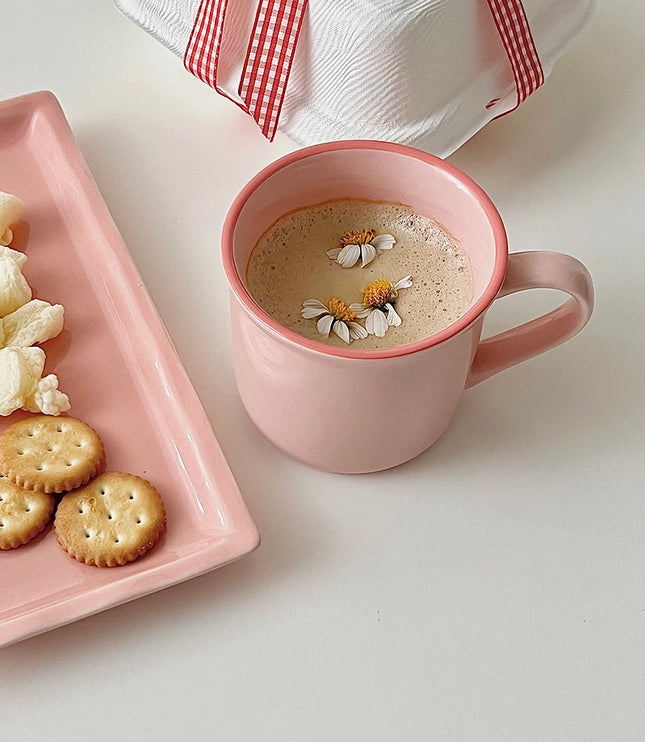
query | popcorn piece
(47,398)
(14,289)
(18,257)
(10,213)
(22,387)
(20,372)
(24,323)
(32,323)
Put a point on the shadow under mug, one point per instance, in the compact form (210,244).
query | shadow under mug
(354,411)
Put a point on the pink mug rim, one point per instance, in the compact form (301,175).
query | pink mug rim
(485,300)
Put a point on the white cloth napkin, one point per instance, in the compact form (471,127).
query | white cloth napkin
(420,72)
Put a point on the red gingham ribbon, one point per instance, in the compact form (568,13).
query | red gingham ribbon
(268,58)
(513,27)
(202,53)
(273,42)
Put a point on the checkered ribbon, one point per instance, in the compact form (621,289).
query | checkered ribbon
(513,27)
(268,58)
(273,40)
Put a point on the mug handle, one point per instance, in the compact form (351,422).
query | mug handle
(536,270)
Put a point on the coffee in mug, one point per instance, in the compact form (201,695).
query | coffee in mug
(355,257)
(344,407)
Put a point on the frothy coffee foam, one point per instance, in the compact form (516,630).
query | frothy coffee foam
(289,264)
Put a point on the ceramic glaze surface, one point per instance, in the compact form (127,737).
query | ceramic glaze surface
(352,411)
(116,362)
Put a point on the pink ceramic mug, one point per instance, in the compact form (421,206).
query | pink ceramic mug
(350,410)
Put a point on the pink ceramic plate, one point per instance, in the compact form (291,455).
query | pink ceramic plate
(124,378)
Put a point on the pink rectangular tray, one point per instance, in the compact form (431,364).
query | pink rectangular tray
(123,376)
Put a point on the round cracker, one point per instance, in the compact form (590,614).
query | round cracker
(23,514)
(111,521)
(51,454)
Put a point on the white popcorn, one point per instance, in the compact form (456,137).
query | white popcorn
(21,385)
(24,323)
(10,213)
(47,398)
(14,289)
(20,372)
(18,257)
(32,323)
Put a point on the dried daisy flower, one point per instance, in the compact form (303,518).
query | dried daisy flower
(363,245)
(377,307)
(334,316)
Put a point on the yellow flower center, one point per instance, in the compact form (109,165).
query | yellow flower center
(340,310)
(378,293)
(358,238)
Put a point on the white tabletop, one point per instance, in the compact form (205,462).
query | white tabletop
(492,589)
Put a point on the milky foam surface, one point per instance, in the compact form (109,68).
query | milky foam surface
(289,264)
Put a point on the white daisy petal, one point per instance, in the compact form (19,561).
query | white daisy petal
(360,310)
(311,312)
(383,242)
(380,323)
(368,253)
(369,321)
(356,331)
(349,255)
(376,324)
(313,308)
(333,254)
(341,329)
(393,318)
(324,324)
(404,283)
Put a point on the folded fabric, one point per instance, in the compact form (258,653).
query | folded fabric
(424,72)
